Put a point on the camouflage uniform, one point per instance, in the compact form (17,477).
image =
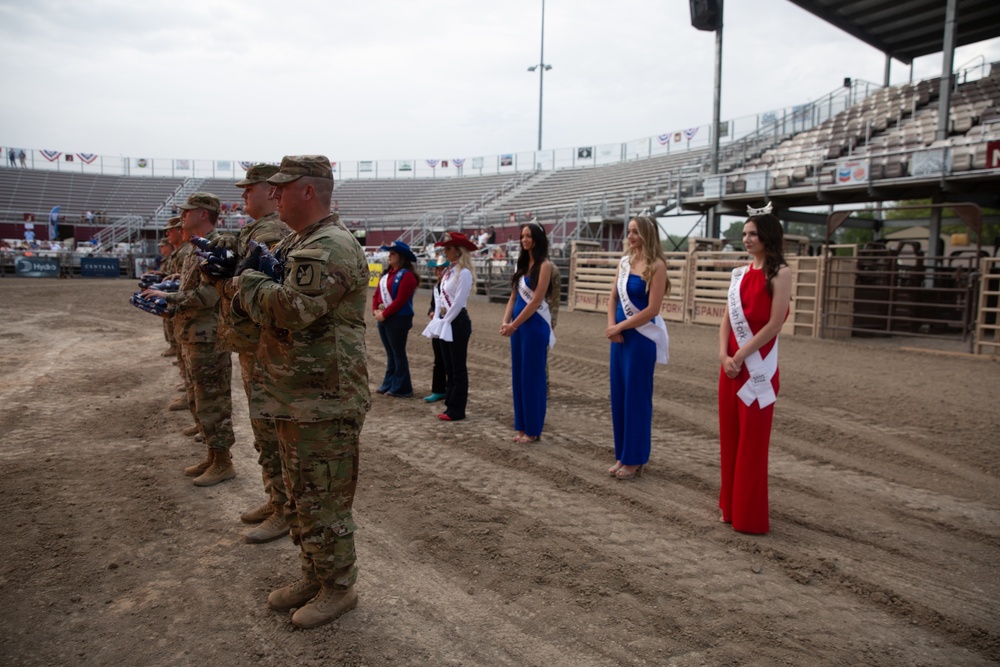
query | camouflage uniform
(240,334)
(208,371)
(313,380)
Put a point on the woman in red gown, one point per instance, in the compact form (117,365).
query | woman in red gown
(748,380)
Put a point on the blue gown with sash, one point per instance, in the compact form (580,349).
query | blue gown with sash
(529,349)
(632,365)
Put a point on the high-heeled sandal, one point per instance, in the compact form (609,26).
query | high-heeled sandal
(629,474)
(615,468)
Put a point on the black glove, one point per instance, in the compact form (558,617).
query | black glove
(155,305)
(217,260)
(260,259)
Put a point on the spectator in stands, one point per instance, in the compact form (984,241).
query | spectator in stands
(451,323)
(483,238)
(639,341)
(528,324)
(392,306)
(23,157)
(29,235)
(173,208)
(11,157)
(491,236)
(756,310)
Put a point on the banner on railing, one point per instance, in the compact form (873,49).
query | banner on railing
(930,162)
(715,186)
(993,154)
(852,172)
(756,181)
(36,267)
(100,267)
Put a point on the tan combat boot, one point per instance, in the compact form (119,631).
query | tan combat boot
(274,527)
(169,352)
(220,470)
(329,605)
(180,387)
(293,595)
(258,514)
(191,430)
(179,403)
(199,468)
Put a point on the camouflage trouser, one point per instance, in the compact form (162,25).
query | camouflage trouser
(209,374)
(168,332)
(319,461)
(265,441)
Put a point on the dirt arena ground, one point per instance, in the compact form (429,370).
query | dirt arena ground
(474,550)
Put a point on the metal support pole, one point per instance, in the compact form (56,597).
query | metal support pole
(947,63)
(714,221)
(541,78)
(888,67)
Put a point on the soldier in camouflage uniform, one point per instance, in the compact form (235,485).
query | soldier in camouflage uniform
(240,334)
(175,234)
(209,371)
(164,270)
(313,381)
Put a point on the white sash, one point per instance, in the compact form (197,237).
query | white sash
(758,387)
(656,329)
(438,327)
(528,294)
(383,287)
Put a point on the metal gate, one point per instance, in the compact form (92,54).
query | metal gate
(900,292)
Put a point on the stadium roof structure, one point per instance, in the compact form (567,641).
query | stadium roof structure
(908,29)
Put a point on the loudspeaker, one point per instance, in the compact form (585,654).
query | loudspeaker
(705,15)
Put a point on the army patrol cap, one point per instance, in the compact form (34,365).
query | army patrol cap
(173,223)
(205,200)
(258,173)
(294,167)
(164,241)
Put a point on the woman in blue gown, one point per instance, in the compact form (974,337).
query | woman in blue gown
(528,324)
(639,341)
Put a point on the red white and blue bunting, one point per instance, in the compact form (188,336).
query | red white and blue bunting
(51,156)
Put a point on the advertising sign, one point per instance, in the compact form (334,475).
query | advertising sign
(37,267)
(100,267)
(852,172)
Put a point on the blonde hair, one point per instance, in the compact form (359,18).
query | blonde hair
(464,261)
(651,250)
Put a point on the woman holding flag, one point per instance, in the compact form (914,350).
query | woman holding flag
(639,341)
(528,324)
(756,309)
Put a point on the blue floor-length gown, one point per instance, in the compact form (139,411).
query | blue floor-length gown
(632,365)
(529,348)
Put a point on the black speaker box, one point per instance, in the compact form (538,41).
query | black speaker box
(706,15)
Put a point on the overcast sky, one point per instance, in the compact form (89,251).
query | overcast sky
(380,79)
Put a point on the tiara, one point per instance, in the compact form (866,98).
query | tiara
(643,213)
(753,212)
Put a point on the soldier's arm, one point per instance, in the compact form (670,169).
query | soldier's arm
(200,293)
(313,286)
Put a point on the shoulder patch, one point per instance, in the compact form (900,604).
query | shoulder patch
(305,268)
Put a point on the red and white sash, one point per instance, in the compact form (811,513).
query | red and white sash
(762,369)
(656,329)
(383,287)
(528,294)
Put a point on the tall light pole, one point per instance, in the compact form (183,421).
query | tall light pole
(541,67)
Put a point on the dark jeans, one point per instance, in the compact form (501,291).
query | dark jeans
(455,355)
(393,332)
(439,379)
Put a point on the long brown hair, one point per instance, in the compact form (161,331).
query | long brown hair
(652,249)
(770,233)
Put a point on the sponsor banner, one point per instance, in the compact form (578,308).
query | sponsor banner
(852,172)
(365,165)
(715,186)
(756,180)
(993,155)
(585,153)
(506,160)
(100,267)
(406,165)
(477,163)
(930,162)
(37,267)
(375,271)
